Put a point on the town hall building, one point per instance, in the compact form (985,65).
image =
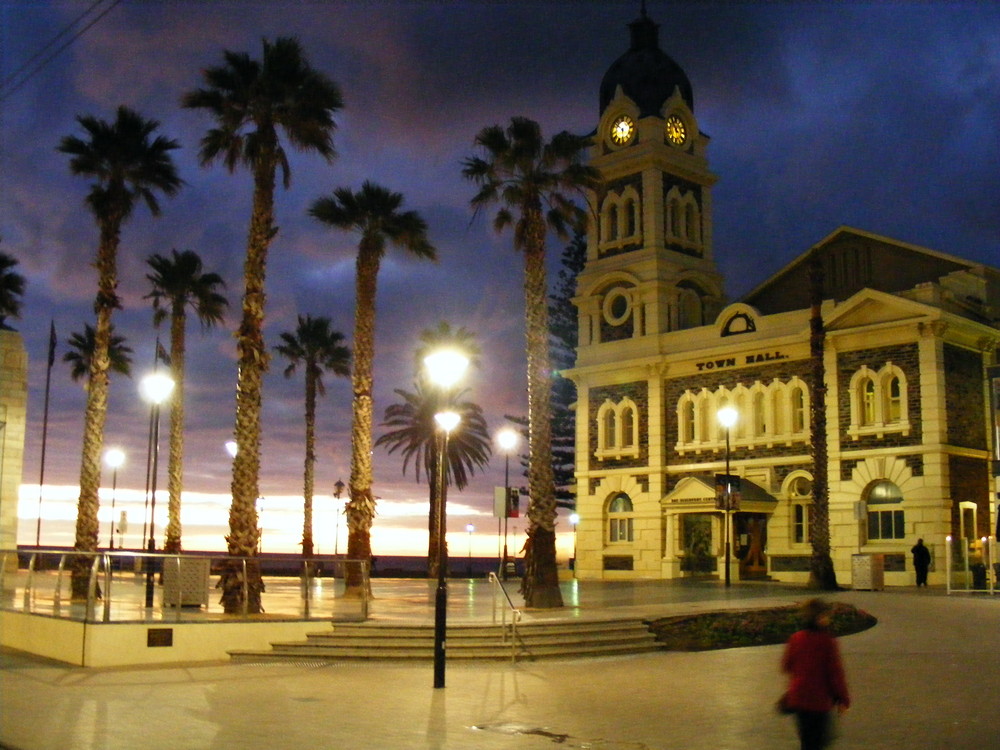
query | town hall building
(911,335)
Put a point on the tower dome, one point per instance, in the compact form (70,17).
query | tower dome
(647,75)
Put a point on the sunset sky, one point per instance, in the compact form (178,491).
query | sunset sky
(881,116)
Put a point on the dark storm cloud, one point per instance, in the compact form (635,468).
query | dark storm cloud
(879,115)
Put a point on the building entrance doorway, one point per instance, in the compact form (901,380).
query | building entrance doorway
(751,544)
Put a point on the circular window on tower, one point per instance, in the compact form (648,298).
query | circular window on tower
(617,306)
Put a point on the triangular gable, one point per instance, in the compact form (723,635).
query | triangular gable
(871,307)
(700,489)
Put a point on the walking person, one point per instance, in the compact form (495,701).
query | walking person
(921,561)
(816,677)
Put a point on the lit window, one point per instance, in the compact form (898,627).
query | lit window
(885,521)
(868,402)
(894,401)
(798,410)
(620,521)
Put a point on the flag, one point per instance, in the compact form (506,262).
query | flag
(161,354)
(52,343)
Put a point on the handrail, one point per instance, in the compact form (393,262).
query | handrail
(515,615)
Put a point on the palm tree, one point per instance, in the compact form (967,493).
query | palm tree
(373,212)
(127,164)
(318,348)
(81,352)
(531,180)
(11,290)
(179,282)
(822,574)
(251,102)
(416,434)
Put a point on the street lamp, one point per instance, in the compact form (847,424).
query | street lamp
(727,416)
(231,448)
(338,488)
(156,388)
(508,439)
(470,528)
(574,521)
(444,368)
(113,457)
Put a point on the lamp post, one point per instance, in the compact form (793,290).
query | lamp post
(338,488)
(727,416)
(113,457)
(444,368)
(157,388)
(470,528)
(508,439)
(574,521)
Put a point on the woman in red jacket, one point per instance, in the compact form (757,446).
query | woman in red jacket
(816,676)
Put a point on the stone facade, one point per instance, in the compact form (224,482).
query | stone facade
(13,417)
(910,333)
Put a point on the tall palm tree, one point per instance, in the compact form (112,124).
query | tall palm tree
(252,102)
(822,574)
(318,348)
(127,163)
(374,213)
(532,180)
(415,418)
(81,352)
(11,290)
(180,282)
(415,436)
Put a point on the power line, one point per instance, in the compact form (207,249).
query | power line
(8,82)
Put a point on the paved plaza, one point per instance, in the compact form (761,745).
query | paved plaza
(927,676)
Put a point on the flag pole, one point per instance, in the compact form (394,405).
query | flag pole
(45,428)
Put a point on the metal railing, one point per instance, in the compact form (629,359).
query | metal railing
(498,589)
(116,586)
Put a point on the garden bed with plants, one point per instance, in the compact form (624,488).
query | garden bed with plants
(751,627)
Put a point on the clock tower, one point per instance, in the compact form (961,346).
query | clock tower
(649,261)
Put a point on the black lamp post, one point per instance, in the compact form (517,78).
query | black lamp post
(444,368)
(157,388)
(507,437)
(727,418)
(113,457)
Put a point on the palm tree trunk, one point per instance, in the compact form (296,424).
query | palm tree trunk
(175,463)
(540,585)
(97,406)
(360,508)
(252,363)
(310,463)
(821,572)
(432,519)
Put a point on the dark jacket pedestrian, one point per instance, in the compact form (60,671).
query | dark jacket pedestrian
(816,677)
(921,561)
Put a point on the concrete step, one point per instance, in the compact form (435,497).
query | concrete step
(416,642)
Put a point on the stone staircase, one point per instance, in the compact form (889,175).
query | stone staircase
(535,640)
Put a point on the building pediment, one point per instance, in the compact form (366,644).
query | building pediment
(870,307)
(699,492)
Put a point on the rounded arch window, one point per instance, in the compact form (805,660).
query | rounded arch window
(885,522)
(620,520)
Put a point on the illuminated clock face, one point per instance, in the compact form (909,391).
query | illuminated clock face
(676,132)
(622,130)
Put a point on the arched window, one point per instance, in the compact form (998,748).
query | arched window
(759,414)
(609,430)
(893,399)
(687,421)
(675,217)
(628,210)
(798,409)
(799,489)
(689,308)
(612,222)
(885,518)
(868,402)
(620,519)
(691,220)
(627,427)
